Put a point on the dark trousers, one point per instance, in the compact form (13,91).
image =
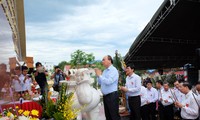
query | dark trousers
(134,105)
(177,112)
(144,112)
(111,106)
(168,112)
(151,111)
(43,88)
(160,111)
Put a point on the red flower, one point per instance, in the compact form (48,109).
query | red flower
(187,105)
(132,83)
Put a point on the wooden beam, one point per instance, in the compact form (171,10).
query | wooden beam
(21,28)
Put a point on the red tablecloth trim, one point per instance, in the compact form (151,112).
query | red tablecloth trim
(25,106)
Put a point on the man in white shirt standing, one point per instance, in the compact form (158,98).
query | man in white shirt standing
(167,101)
(159,86)
(143,108)
(178,96)
(197,89)
(133,90)
(189,107)
(26,79)
(17,82)
(152,97)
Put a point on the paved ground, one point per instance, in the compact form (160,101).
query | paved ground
(102,115)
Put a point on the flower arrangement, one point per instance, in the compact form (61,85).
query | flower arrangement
(19,114)
(61,109)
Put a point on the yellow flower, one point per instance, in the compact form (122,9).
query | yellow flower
(20,111)
(33,119)
(17,107)
(9,114)
(34,112)
(26,113)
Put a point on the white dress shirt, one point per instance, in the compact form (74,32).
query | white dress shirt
(133,83)
(159,93)
(152,95)
(190,109)
(167,95)
(178,95)
(197,93)
(143,96)
(27,84)
(18,85)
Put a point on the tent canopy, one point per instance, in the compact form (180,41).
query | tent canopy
(170,39)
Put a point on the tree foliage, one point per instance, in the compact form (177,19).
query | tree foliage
(62,64)
(81,58)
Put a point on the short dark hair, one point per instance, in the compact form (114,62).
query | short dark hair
(160,82)
(24,68)
(18,68)
(165,82)
(110,58)
(148,81)
(176,81)
(187,84)
(2,65)
(37,64)
(131,65)
(198,83)
(56,67)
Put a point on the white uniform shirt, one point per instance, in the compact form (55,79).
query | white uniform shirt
(143,96)
(197,93)
(133,83)
(190,109)
(167,95)
(178,95)
(159,92)
(152,95)
(27,84)
(18,85)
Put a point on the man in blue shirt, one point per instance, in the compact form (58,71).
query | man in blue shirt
(109,86)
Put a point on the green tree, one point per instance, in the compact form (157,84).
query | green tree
(90,58)
(79,58)
(98,65)
(62,64)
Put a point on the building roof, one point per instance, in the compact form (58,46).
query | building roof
(170,39)
(12,35)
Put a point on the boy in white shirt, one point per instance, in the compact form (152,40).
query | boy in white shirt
(27,80)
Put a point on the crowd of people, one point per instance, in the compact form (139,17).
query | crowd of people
(25,84)
(146,102)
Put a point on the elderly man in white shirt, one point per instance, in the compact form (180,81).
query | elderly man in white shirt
(167,100)
(189,107)
(152,96)
(179,96)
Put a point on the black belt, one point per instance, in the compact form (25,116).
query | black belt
(109,93)
(133,96)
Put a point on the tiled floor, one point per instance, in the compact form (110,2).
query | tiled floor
(102,115)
